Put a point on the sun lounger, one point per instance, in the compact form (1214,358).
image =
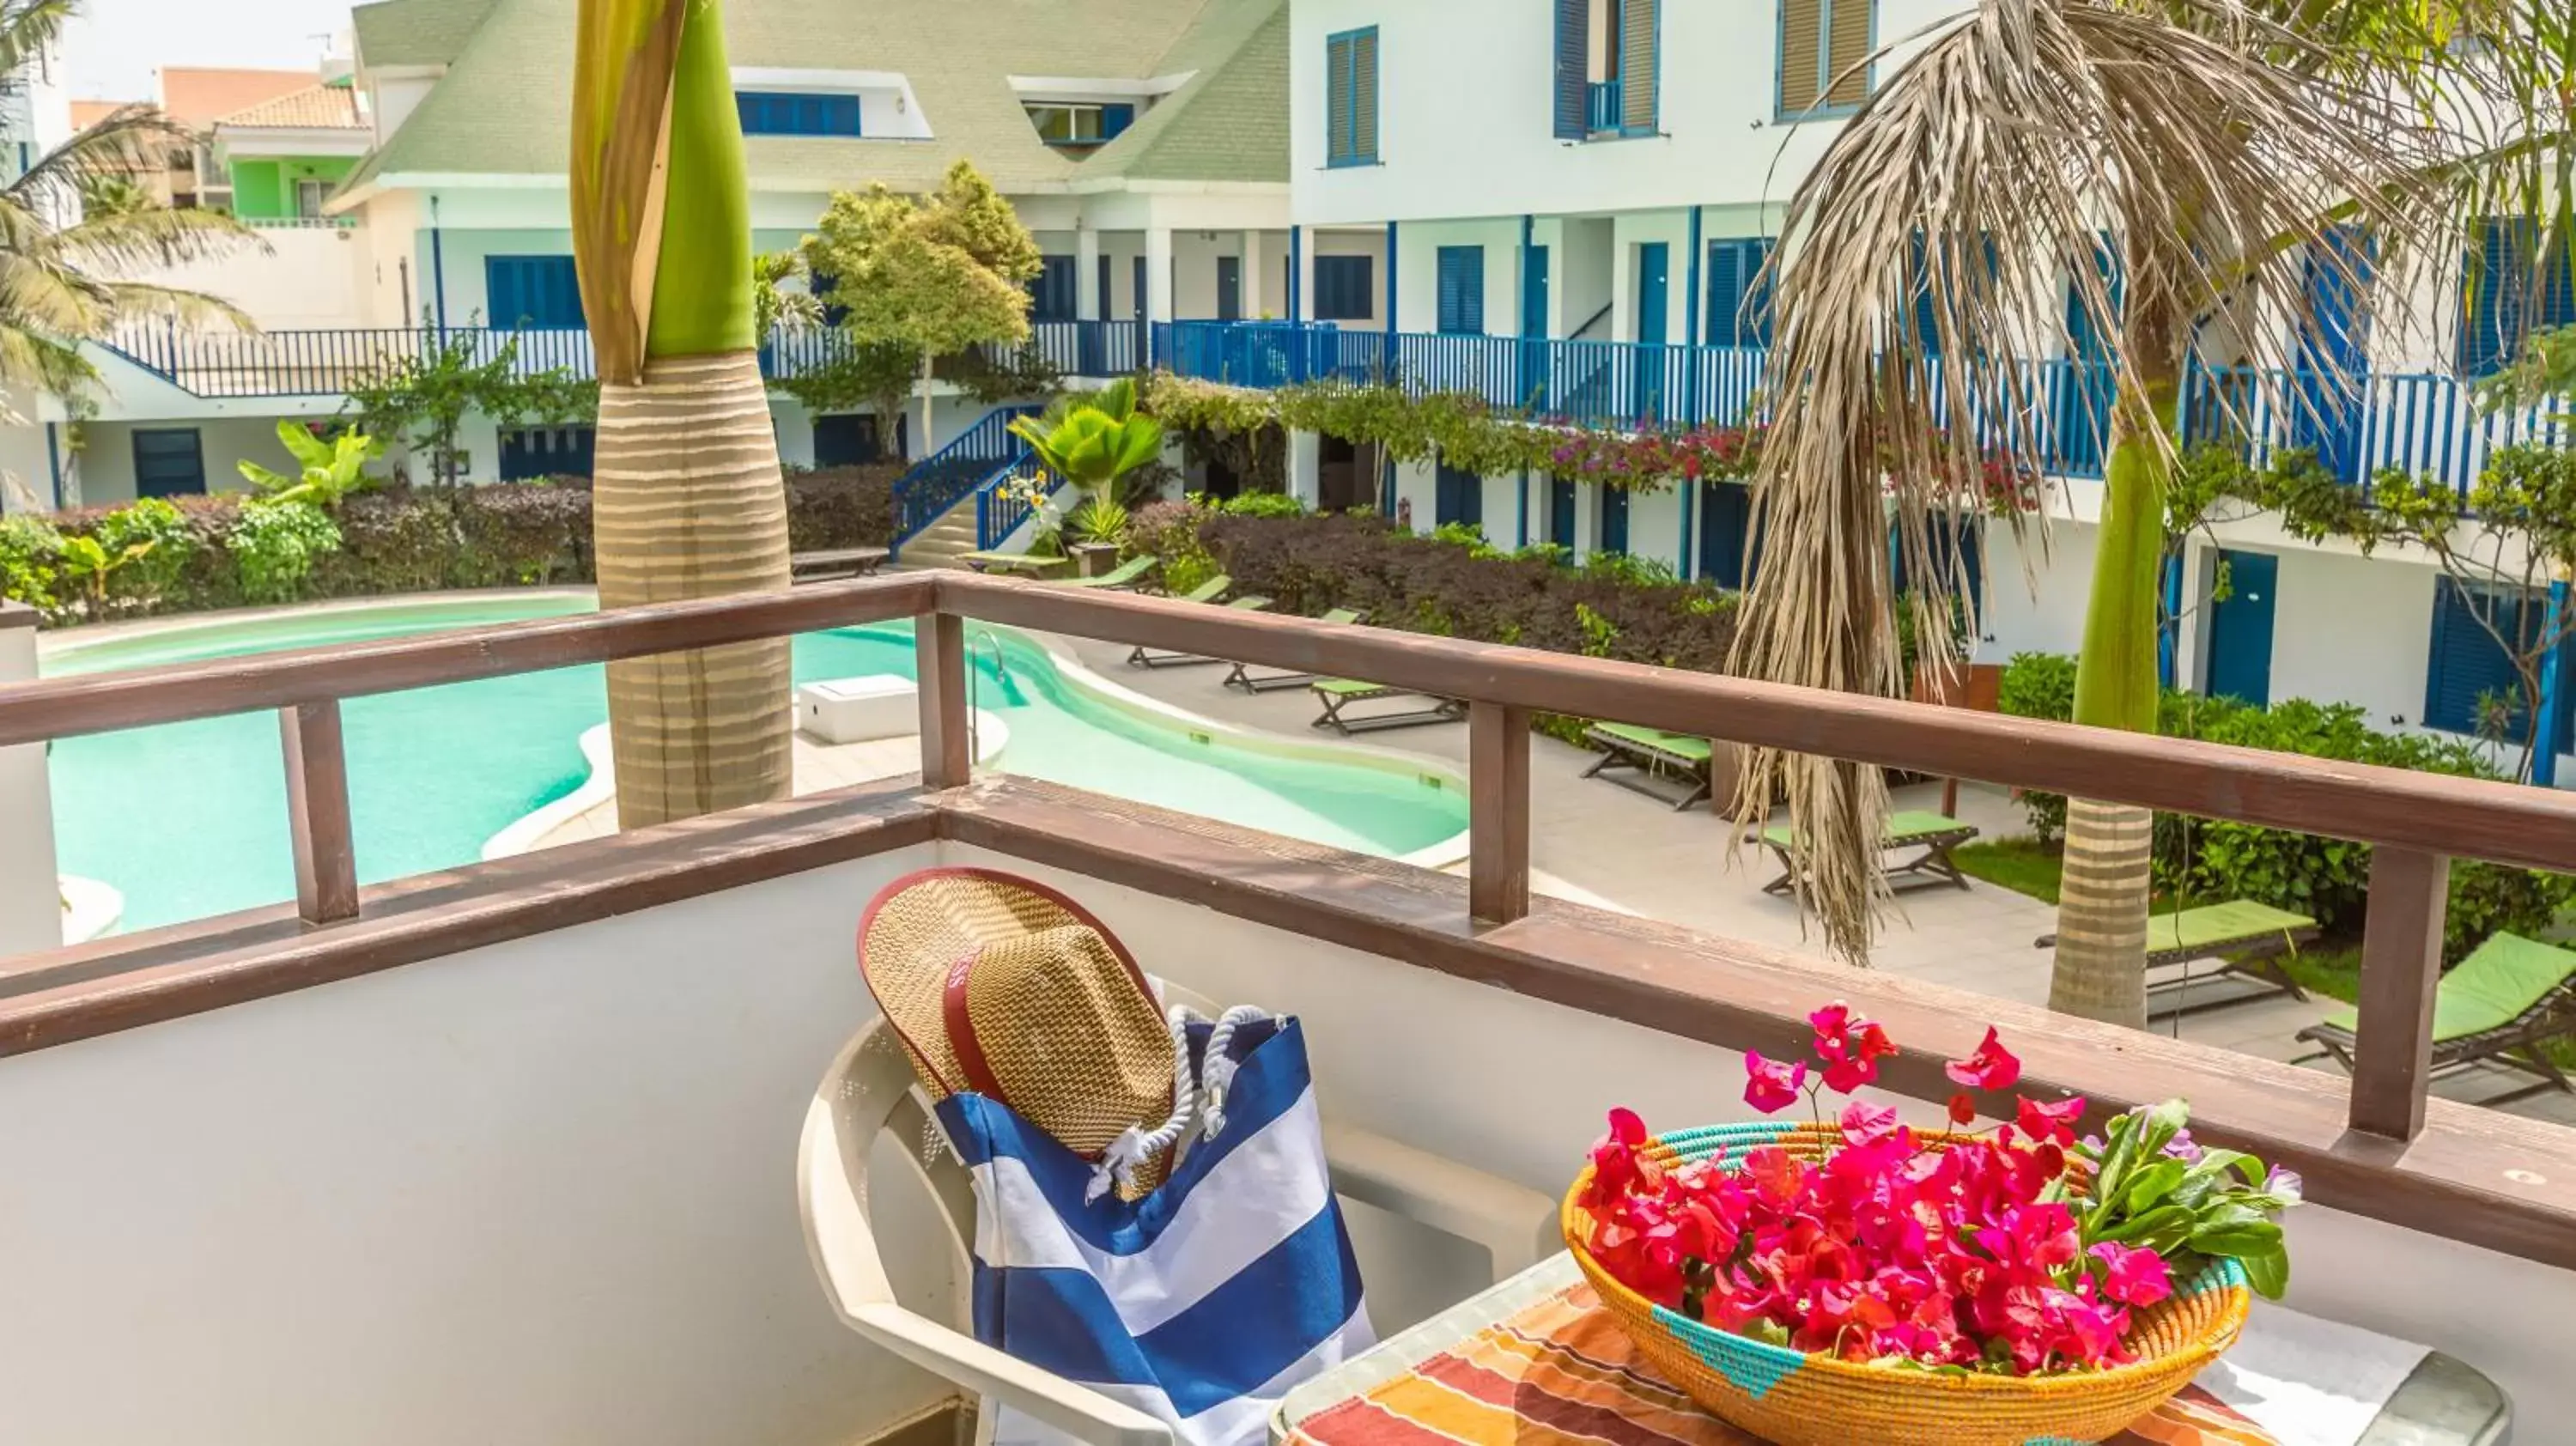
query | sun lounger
(1337,694)
(1129,576)
(1206,592)
(1935,834)
(1028,562)
(2247,939)
(1251,682)
(1668,767)
(2503,1005)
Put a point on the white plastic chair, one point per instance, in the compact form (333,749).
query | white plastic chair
(870,1089)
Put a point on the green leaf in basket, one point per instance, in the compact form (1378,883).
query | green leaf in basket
(2150,1184)
(2159,1230)
(2268,1270)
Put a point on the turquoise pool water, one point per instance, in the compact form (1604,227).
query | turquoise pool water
(189,819)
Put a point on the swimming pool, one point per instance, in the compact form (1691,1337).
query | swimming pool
(189,819)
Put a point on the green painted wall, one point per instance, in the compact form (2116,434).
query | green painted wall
(264,190)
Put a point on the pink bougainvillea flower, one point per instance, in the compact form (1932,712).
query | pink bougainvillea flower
(2133,1276)
(1992,1067)
(1867,1124)
(1963,1110)
(1773,1085)
(1833,1029)
(2049,1124)
(1865,1045)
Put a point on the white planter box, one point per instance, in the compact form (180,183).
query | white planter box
(854,710)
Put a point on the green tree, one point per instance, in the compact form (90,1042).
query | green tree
(2227,150)
(60,265)
(916,279)
(687,499)
(1092,442)
(325,471)
(419,402)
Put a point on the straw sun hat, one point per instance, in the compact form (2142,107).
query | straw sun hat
(1002,987)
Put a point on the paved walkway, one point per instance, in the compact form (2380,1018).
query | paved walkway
(1611,847)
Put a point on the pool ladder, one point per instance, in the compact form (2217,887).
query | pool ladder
(976,643)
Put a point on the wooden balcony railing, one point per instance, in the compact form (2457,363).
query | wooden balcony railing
(2416,822)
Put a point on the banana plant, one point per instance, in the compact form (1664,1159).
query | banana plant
(326,471)
(687,499)
(85,558)
(1092,442)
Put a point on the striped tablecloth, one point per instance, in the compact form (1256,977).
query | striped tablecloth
(1559,1372)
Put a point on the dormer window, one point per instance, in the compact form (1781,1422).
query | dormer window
(1080,125)
(792,113)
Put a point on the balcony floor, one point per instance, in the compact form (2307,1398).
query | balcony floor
(1611,848)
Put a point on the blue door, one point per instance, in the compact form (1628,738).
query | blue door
(1140,289)
(2240,628)
(1229,288)
(168,462)
(1560,512)
(1726,553)
(1614,520)
(1459,497)
(2333,356)
(1654,313)
(848,439)
(1533,380)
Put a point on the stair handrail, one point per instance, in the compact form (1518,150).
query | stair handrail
(933,486)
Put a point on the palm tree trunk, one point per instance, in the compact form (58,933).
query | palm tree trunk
(2101,970)
(688,502)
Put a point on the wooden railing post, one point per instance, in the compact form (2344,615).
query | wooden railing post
(2401,967)
(939,652)
(317,812)
(1498,812)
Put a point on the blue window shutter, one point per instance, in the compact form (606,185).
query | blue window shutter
(1459,497)
(1573,68)
(1462,290)
(1115,119)
(789,113)
(2466,661)
(1725,282)
(1341,138)
(541,292)
(1726,511)
(1364,93)
(1051,291)
(1342,287)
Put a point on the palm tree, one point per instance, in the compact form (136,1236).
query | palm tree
(2167,176)
(688,500)
(1092,442)
(75,224)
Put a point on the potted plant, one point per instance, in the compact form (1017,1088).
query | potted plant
(1853,1282)
(1092,442)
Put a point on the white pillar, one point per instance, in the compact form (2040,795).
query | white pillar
(1088,303)
(31,910)
(1305,468)
(1306,273)
(1256,296)
(1158,274)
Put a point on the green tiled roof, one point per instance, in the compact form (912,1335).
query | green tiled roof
(1227,123)
(416,32)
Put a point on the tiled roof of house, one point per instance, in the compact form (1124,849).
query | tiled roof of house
(318,108)
(1227,123)
(197,96)
(416,32)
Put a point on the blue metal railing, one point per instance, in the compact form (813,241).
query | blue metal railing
(1001,507)
(1080,348)
(1603,108)
(305,363)
(965,467)
(2418,422)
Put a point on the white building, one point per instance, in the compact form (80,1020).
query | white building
(1139,139)
(1610,172)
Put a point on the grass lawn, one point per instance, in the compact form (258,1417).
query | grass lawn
(2023,865)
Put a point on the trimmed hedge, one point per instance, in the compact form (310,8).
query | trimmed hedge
(1446,583)
(2324,878)
(395,540)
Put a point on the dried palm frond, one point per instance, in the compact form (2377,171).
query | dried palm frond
(1923,282)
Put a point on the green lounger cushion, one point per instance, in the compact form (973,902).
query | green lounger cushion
(1680,745)
(1253,604)
(2490,989)
(2211,928)
(1208,591)
(1350,687)
(1902,829)
(1340,615)
(1128,571)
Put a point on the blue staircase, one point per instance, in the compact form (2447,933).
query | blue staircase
(975,461)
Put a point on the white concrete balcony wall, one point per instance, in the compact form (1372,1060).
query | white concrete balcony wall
(292,278)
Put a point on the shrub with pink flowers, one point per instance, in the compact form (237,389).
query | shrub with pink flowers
(2022,1251)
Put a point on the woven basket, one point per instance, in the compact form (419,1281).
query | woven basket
(1795,1399)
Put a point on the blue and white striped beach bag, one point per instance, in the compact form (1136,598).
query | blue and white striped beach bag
(1202,1303)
